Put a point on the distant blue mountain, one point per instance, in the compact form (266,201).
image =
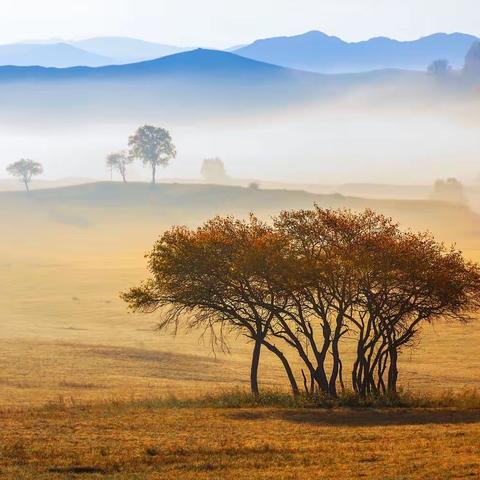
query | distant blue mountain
(199,82)
(126,50)
(93,52)
(58,55)
(209,64)
(196,83)
(318,52)
(312,51)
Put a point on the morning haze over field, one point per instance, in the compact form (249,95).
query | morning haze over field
(239,241)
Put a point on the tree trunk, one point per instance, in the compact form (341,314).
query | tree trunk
(26,185)
(154,171)
(305,384)
(124,177)
(332,386)
(393,371)
(286,366)
(340,375)
(321,378)
(254,368)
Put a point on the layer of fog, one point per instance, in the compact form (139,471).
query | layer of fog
(325,145)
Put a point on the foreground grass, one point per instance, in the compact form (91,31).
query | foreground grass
(466,399)
(233,438)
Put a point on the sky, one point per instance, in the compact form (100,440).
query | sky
(224,23)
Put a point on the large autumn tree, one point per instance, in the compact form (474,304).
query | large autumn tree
(406,280)
(311,284)
(212,279)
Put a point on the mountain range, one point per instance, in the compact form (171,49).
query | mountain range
(318,52)
(92,52)
(199,83)
(187,82)
(59,55)
(126,50)
(312,51)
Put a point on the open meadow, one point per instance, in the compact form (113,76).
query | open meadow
(239,240)
(82,379)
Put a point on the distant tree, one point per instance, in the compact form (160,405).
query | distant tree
(25,169)
(439,68)
(450,190)
(119,161)
(254,186)
(153,146)
(213,170)
(472,60)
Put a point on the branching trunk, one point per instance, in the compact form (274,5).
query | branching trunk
(332,386)
(286,366)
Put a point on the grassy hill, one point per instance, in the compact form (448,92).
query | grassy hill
(97,203)
(93,381)
(66,253)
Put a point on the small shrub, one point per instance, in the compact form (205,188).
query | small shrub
(152,451)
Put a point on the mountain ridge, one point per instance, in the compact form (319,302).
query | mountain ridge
(191,62)
(313,51)
(58,55)
(127,49)
(318,52)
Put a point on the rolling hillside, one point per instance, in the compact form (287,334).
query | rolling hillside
(66,253)
(93,204)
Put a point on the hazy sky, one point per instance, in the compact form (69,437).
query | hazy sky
(222,23)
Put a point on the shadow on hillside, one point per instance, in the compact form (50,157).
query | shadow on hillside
(367,417)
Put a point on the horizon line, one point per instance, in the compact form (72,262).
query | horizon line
(70,41)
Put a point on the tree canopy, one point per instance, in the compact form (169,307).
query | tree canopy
(213,170)
(153,146)
(25,169)
(308,287)
(119,161)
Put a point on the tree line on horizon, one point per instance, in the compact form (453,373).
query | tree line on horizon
(312,288)
(152,145)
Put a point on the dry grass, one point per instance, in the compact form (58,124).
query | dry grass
(64,327)
(150,440)
(67,340)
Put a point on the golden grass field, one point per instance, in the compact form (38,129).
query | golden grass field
(73,362)
(137,442)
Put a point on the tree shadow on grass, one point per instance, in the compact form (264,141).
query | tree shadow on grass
(359,417)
